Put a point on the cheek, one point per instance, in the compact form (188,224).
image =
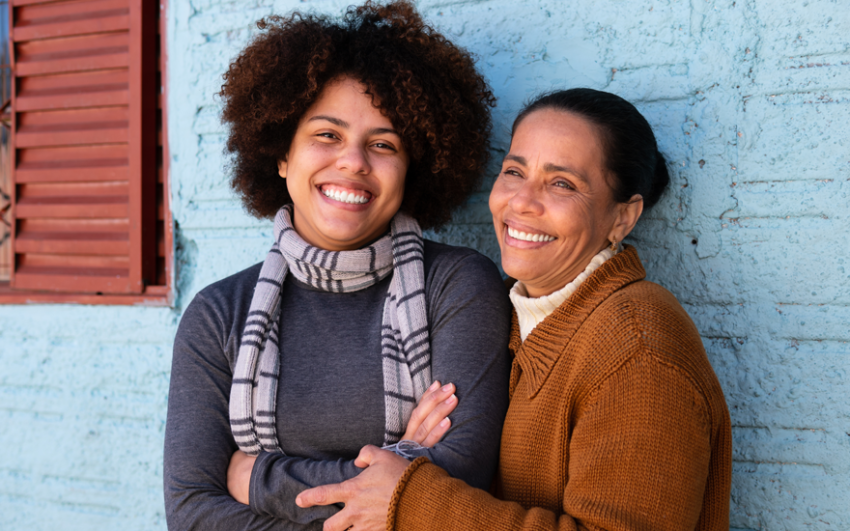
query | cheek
(394,182)
(498,198)
(397,186)
(295,183)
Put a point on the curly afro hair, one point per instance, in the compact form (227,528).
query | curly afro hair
(427,87)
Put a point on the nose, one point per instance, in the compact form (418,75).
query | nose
(526,199)
(353,158)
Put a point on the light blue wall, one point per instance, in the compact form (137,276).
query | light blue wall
(750,100)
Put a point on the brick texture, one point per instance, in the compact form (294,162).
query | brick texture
(750,100)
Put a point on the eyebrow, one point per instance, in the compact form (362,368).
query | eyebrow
(345,125)
(331,119)
(549,167)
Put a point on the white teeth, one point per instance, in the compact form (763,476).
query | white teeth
(345,197)
(519,235)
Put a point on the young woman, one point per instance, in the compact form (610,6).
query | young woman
(616,420)
(354,135)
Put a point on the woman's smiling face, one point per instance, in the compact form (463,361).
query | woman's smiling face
(345,169)
(552,206)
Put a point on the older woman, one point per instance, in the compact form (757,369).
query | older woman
(353,135)
(616,419)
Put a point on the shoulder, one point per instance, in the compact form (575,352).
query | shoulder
(443,261)
(458,277)
(229,291)
(219,306)
(441,255)
(651,317)
(644,324)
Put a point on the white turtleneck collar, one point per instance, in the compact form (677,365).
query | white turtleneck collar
(531,311)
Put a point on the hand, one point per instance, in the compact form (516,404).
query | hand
(366,497)
(430,420)
(239,475)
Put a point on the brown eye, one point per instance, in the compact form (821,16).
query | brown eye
(381,145)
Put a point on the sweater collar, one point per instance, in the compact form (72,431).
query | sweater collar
(532,310)
(540,351)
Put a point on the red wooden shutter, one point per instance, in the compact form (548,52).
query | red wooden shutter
(84,145)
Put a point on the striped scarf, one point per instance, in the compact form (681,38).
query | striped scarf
(405,345)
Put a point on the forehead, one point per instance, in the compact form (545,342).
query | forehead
(346,97)
(549,137)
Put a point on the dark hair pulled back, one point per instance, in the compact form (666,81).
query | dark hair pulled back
(631,152)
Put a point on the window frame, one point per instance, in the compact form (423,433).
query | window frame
(162,293)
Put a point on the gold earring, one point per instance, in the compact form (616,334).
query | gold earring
(613,246)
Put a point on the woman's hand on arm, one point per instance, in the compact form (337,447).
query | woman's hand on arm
(430,420)
(366,497)
(425,498)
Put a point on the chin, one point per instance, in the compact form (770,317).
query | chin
(518,269)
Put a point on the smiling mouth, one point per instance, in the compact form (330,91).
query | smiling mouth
(346,195)
(527,237)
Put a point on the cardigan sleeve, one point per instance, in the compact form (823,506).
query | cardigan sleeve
(639,459)
(427,498)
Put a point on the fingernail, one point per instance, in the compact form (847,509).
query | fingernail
(445,422)
(447,387)
(434,385)
(298,501)
(451,400)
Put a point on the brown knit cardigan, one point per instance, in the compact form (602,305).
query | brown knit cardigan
(616,422)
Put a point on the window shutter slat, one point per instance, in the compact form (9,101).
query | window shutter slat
(84,147)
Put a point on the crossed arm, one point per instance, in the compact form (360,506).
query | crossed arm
(428,424)
(199,447)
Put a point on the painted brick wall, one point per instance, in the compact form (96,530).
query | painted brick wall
(750,100)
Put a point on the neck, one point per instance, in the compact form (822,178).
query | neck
(531,311)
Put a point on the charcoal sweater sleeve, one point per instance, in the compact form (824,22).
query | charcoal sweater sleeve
(198,441)
(469,316)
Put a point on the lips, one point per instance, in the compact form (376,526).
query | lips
(346,195)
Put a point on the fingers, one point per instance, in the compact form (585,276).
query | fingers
(437,433)
(433,407)
(437,423)
(422,410)
(323,495)
(367,456)
(434,386)
(337,522)
(239,476)
(367,497)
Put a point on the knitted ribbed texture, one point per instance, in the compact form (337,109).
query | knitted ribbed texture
(616,422)
(531,311)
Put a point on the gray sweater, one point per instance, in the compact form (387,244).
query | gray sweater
(330,394)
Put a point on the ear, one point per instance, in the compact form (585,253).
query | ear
(627,216)
(281,168)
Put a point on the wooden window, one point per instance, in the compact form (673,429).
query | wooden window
(89,218)
(5,131)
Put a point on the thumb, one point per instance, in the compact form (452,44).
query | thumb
(367,456)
